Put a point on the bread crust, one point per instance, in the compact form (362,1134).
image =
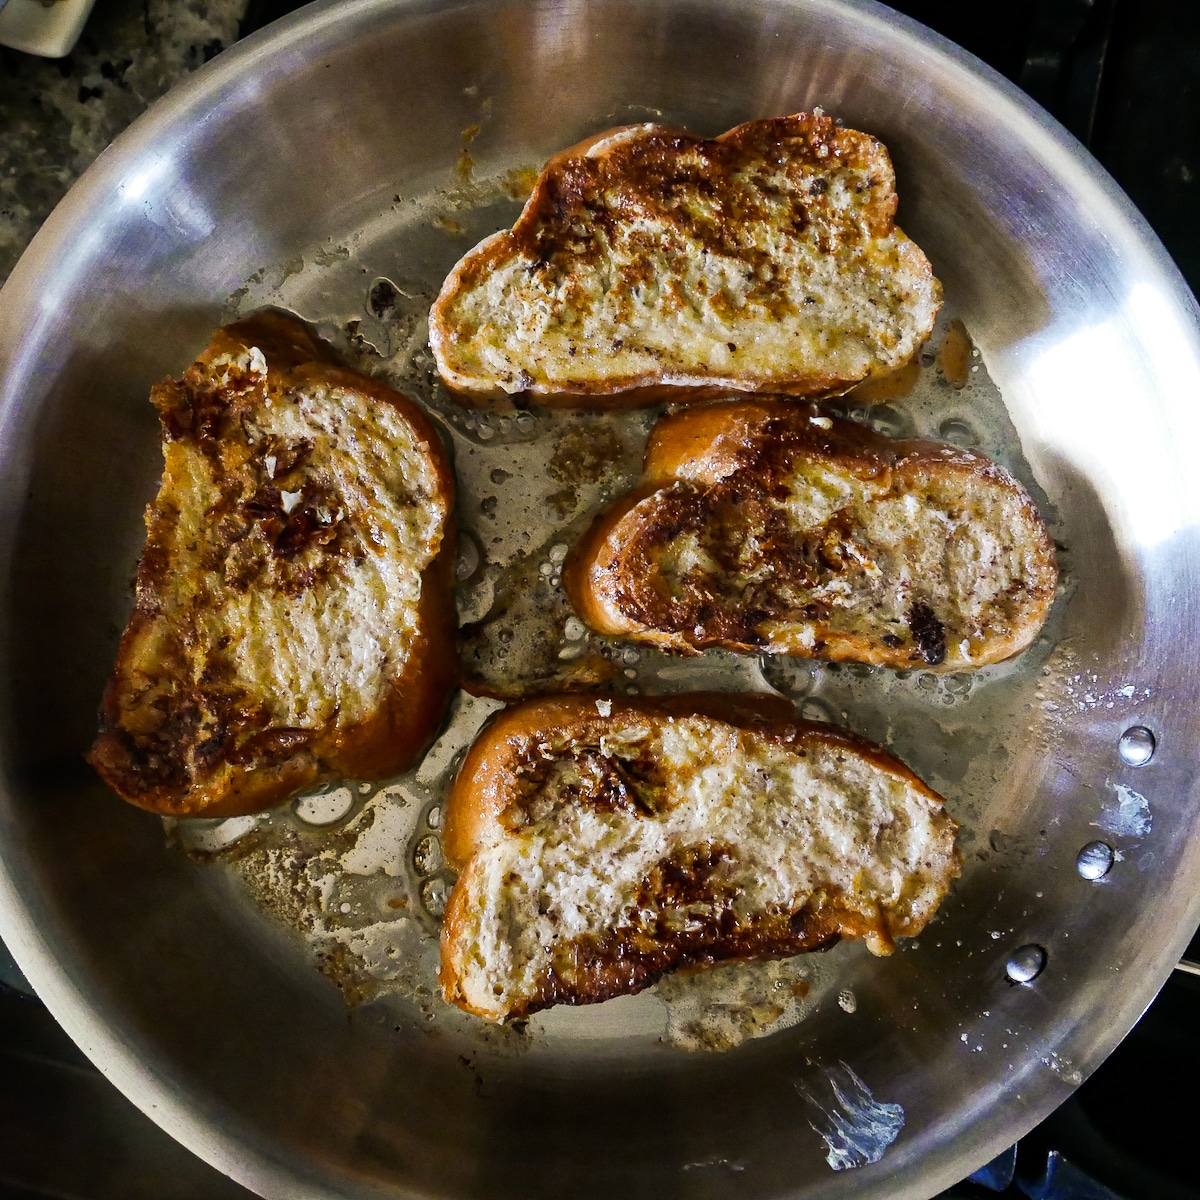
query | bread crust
(488,789)
(830,190)
(723,473)
(149,749)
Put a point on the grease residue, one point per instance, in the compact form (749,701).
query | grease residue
(855,1127)
(1129,817)
(726,1005)
(325,808)
(385,826)
(1063,1067)
(211,836)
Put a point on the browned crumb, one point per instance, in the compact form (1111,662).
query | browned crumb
(584,453)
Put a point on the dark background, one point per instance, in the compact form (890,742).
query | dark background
(1123,76)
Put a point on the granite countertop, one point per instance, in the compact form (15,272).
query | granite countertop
(56,115)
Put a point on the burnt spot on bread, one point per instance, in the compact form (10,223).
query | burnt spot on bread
(284,539)
(278,458)
(181,732)
(270,743)
(149,762)
(306,527)
(929,632)
(184,729)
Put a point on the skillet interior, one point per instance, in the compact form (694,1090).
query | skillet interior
(199,1009)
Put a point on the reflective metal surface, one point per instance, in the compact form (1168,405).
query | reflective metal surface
(211,1020)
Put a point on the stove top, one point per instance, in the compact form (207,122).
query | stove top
(1124,77)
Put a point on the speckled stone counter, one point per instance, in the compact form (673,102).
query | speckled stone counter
(56,115)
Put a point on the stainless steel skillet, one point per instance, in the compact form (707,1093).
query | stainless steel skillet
(295,144)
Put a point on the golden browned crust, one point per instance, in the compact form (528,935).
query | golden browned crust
(498,792)
(972,588)
(680,234)
(183,731)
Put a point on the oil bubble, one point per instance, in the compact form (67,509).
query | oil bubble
(958,431)
(427,857)
(889,421)
(433,896)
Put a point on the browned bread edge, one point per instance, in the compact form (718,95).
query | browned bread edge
(650,388)
(706,444)
(485,787)
(394,736)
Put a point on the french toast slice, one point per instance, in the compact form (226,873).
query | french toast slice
(604,842)
(649,264)
(766,526)
(293,618)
